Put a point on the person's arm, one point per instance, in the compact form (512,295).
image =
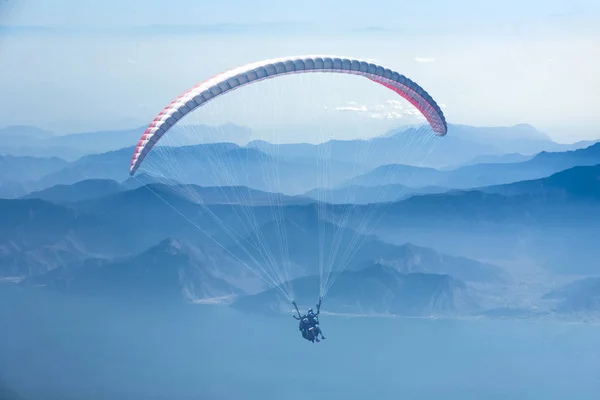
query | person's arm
(318,307)
(298,311)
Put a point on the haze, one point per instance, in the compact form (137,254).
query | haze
(503,63)
(453,266)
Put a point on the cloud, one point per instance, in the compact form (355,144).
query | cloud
(356,108)
(424,59)
(390,109)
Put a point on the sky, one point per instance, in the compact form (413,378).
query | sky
(72,65)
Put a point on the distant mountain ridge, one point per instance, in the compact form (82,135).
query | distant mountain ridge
(112,140)
(520,138)
(23,134)
(576,183)
(356,194)
(509,158)
(507,220)
(582,295)
(91,189)
(79,191)
(472,176)
(553,220)
(167,272)
(295,169)
(430,253)
(375,289)
(18,169)
(39,237)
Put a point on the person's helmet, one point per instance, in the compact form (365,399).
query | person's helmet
(310,311)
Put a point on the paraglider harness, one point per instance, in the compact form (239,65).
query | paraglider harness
(305,323)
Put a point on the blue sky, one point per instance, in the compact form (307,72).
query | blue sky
(73,65)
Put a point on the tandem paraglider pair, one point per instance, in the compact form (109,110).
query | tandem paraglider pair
(309,323)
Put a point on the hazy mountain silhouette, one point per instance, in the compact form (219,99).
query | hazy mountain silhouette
(222,164)
(97,142)
(406,146)
(496,159)
(552,220)
(39,236)
(580,296)
(36,236)
(356,194)
(472,176)
(311,242)
(545,224)
(142,179)
(95,188)
(23,134)
(22,169)
(375,289)
(79,191)
(29,141)
(401,146)
(169,271)
(462,143)
(521,138)
(294,170)
(398,174)
(96,166)
(576,183)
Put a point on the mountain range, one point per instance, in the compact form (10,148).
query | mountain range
(375,289)
(296,168)
(552,220)
(497,218)
(91,247)
(88,225)
(521,138)
(96,188)
(244,167)
(580,296)
(18,174)
(511,219)
(575,183)
(169,271)
(355,194)
(31,141)
(462,144)
(472,176)
(495,159)
(424,241)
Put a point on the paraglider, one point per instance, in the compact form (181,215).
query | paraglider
(309,323)
(230,80)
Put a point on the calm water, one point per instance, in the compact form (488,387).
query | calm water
(58,347)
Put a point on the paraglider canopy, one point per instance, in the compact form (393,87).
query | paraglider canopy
(235,78)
